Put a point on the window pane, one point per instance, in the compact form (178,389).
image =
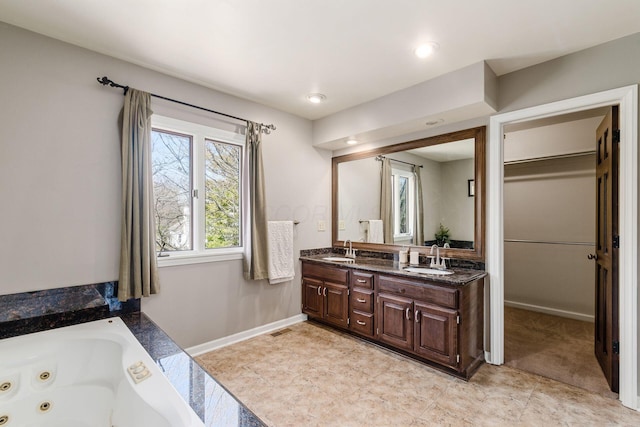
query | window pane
(222,194)
(403,189)
(171,164)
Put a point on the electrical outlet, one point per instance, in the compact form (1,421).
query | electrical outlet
(321,225)
(341,225)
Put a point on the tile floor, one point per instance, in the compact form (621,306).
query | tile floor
(316,376)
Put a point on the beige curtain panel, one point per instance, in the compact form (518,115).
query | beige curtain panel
(386,201)
(256,263)
(418,217)
(138,265)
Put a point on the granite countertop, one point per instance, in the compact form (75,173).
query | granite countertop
(461,276)
(210,401)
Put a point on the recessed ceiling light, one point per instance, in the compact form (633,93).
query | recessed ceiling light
(352,141)
(426,49)
(316,98)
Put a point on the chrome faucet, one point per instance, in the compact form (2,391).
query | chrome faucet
(437,263)
(349,253)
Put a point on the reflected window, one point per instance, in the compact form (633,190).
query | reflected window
(403,202)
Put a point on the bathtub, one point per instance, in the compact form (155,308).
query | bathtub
(94,374)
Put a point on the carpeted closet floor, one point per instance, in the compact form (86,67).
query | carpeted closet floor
(553,347)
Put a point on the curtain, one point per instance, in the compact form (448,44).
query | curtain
(138,265)
(386,201)
(255,222)
(418,214)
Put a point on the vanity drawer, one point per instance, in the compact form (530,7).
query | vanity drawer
(327,274)
(362,300)
(362,323)
(362,280)
(440,295)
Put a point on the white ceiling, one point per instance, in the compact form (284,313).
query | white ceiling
(276,52)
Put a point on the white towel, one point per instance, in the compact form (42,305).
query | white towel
(280,251)
(375,231)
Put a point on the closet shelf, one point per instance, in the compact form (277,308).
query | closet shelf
(557,156)
(546,242)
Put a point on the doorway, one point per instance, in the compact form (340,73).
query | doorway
(550,229)
(626,98)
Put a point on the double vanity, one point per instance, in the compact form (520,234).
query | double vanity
(435,318)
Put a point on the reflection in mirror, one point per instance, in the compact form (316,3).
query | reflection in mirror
(432,194)
(443,174)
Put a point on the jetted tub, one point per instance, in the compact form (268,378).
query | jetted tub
(94,374)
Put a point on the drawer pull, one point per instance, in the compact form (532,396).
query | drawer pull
(361,300)
(319,290)
(406,313)
(417,316)
(361,281)
(361,323)
(324,291)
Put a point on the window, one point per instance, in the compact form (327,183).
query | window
(403,202)
(197,185)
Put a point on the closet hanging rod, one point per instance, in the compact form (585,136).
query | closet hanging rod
(105,81)
(545,242)
(381,158)
(557,156)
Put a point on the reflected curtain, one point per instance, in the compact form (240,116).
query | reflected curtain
(255,221)
(418,214)
(138,265)
(386,201)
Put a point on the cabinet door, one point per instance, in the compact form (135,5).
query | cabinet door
(312,298)
(436,333)
(336,304)
(395,321)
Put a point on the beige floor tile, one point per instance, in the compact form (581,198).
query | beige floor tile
(315,376)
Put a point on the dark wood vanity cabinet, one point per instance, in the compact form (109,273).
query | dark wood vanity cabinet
(325,293)
(439,323)
(361,302)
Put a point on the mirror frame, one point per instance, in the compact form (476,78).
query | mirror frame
(478,251)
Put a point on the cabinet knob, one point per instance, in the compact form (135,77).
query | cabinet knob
(406,313)
(361,300)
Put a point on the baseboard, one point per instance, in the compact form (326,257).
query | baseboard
(245,335)
(552,311)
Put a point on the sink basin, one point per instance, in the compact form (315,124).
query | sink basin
(424,270)
(338,259)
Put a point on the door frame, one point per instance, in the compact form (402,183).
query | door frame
(627,98)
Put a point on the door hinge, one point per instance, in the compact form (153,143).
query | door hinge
(458,319)
(377,331)
(348,292)
(457,358)
(616,135)
(348,320)
(195,193)
(616,347)
(616,242)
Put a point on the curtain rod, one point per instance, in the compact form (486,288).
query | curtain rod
(105,81)
(381,157)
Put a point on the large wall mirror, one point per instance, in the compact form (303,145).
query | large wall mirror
(417,193)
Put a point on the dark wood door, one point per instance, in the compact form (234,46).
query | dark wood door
(607,242)
(436,333)
(336,303)
(395,321)
(312,298)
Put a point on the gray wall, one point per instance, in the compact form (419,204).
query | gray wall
(60,186)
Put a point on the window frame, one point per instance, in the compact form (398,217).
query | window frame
(200,134)
(396,173)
